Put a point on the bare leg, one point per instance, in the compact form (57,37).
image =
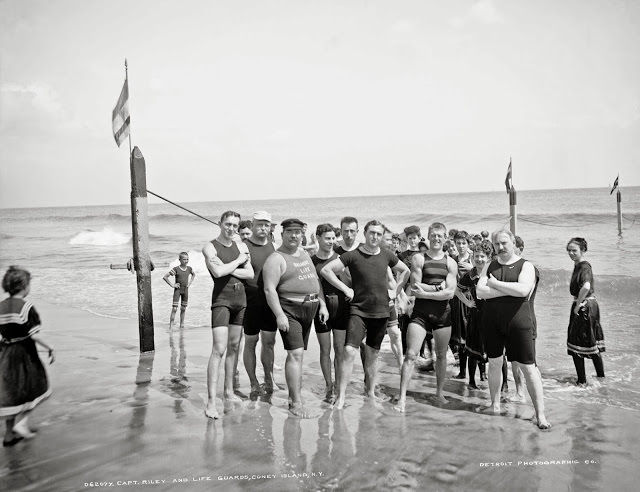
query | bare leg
(268,341)
(441,338)
(183,310)
(415,337)
(339,337)
(293,375)
(172,318)
(534,385)
(495,381)
(236,373)
(395,338)
(371,370)
(220,337)
(519,381)
(344,373)
(324,339)
(231,361)
(249,359)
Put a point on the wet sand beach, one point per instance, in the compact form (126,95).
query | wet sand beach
(122,420)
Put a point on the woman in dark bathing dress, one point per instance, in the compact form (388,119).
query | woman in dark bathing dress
(584,337)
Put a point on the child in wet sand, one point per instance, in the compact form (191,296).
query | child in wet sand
(24,383)
(183,278)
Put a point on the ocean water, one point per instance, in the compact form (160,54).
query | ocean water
(69,251)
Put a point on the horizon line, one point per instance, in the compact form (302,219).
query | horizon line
(159,201)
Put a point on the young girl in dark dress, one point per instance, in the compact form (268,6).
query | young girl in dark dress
(584,336)
(23,379)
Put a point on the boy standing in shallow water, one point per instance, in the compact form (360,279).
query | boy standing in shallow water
(184,277)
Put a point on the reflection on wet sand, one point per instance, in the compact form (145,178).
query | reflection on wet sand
(141,393)
(178,381)
(156,429)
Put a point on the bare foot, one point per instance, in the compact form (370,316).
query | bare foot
(376,397)
(543,424)
(339,404)
(400,406)
(232,398)
(517,398)
(299,411)
(441,399)
(490,410)
(212,412)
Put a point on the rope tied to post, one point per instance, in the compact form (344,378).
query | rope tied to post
(181,207)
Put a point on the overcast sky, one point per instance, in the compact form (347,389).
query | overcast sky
(293,98)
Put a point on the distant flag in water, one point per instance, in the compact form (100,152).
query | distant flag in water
(615,185)
(508,180)
(120,115)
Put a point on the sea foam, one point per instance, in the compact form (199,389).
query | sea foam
(105,237)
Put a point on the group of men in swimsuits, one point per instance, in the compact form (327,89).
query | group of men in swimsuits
(351,289)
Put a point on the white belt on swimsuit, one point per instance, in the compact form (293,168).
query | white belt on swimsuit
(307,298)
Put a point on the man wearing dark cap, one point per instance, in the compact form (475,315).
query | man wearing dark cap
(258,318)
(294,294)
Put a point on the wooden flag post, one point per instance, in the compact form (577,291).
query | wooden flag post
(619,200)
(141,259)
(512,210)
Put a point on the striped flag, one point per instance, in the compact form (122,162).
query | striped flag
(508,180)
(120,115)
(615,185)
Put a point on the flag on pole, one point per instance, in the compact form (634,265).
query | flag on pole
(120,115)
(508,180)
(615,185)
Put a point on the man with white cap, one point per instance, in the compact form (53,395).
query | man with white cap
(294,294)
(258,318)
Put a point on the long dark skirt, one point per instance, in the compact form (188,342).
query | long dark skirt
(584,335)
(475,339)
(23,379)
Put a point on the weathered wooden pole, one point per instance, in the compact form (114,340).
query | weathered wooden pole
(141,259)
(512,210)
(619,200)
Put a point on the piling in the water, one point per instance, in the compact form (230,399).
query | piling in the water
(141,258)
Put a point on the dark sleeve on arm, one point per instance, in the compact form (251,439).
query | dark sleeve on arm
(586,275)
(34,318)
(346,258)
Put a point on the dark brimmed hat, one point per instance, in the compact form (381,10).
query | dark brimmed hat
(291,224)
